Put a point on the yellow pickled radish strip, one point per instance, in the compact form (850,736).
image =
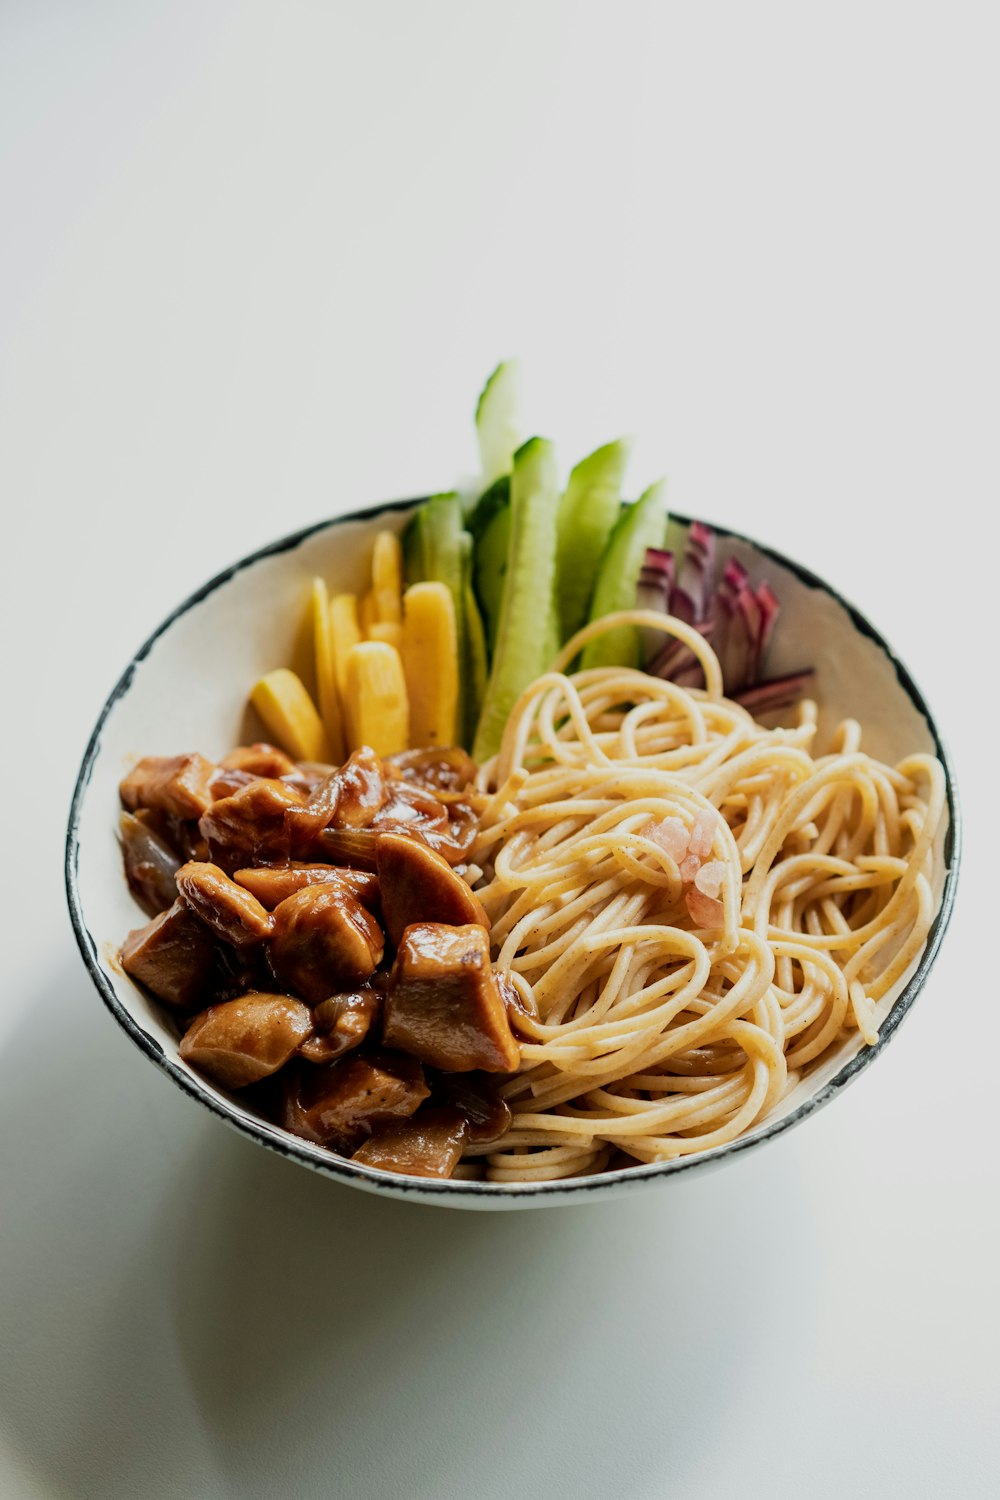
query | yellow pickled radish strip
(430,662)
(326,678)
(345,632)
(367,613)
(377,706)
(387,577)
(290,715)
(388,607)
(390,631)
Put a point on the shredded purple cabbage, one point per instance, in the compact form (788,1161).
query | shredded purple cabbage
(736,615)
(775,692)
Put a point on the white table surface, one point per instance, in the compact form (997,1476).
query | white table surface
(255,261)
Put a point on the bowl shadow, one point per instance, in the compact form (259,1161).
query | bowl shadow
(401,1350)
(184,1314)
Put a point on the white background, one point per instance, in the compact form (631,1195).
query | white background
(255,261)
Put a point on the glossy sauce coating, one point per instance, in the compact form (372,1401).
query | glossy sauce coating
(242,1041)
(443,1004)
(323,940)
(418,885)
(229,910)
(272,884)
(310,931)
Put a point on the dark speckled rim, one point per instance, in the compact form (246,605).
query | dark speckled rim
(573,1189)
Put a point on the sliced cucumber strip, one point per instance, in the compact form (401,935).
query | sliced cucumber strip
(525,641)
(475,666)
(443,547)
(587,514)
(491,571)
(498,422)
(640,526)
(495,499)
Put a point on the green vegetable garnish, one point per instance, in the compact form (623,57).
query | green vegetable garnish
(526,637)
(587,514)
(498,424)
(640,526)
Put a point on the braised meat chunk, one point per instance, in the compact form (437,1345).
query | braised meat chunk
(443,1004)
(428,1145)
(304,823)
(340,1105)
(361,789)
(175,784)
(450,832)
(260,760)
(414,809)
(272,884)
(247,1039)
(348,798)
(455,839)
(449,769)
(174,956)
(324,941)
(230,911)
(248,828)
(225,782)
(418,885)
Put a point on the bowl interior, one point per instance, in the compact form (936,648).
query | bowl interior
(187,690)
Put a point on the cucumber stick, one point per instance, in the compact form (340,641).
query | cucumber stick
(495,499)
(491,571)
(443,547)
(474,666)
(498,422)
(525,638)
(640,526)
(489,525)
(587,514)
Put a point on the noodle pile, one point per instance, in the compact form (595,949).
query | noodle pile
(621,812)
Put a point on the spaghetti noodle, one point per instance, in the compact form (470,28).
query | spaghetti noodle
(693,908)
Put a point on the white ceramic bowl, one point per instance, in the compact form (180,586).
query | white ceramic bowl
(186,689)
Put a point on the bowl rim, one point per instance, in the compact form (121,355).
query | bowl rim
(496,1194)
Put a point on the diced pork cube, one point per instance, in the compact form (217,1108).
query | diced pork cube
(232,912)
(272,884)
(443,1003)
(324,942)
(175,784)
(260,760)
(174,956)
(418,885)
(429,1145)
(249,827)
(342,1104)
(242,1041)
